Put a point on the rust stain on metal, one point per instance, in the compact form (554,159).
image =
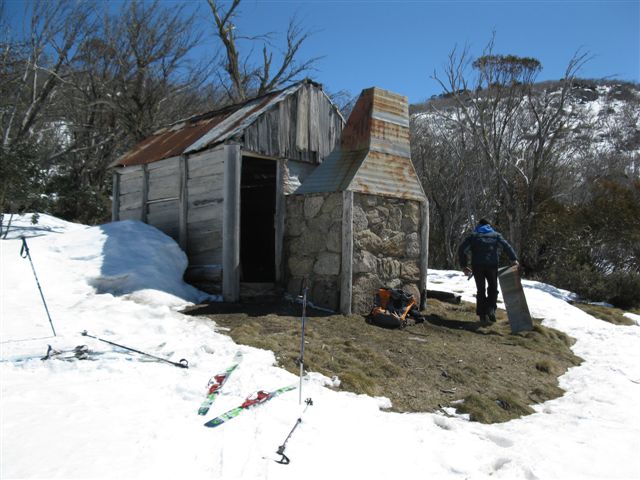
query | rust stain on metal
(378,129)
(173,140)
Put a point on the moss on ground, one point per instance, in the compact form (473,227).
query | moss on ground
(450,360)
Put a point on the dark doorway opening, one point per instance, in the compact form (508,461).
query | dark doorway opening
(257,211)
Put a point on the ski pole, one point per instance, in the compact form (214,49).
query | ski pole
(285,460)
(182,363)
(304,314)
(24,253)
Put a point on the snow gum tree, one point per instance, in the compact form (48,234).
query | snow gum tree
(507,140)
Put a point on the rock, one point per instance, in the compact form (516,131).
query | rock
(367,240)
(360,221)
(364,262)
(300,266)
(334,238)
(413,245)
(327,264)
(410,271)
(312,205)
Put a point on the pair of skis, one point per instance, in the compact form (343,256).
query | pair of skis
(213,390)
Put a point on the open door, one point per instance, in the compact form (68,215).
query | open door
(257,210)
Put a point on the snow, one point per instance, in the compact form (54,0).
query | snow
(633,316)
(122,415)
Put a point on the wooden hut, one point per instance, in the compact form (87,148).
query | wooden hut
(216,182)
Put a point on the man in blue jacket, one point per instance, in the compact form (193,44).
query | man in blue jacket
(484,244)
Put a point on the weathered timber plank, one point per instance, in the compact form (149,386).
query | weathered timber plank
(231,224)
(130,200)
(130,214)
(346,269)
(213,212)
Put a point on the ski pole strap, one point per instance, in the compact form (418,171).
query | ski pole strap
(24,251)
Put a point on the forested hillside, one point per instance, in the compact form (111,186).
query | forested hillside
(555,165)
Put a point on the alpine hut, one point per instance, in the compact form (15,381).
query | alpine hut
(217,182)
(360,220)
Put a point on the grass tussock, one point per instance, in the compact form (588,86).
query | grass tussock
(450,360)
(608,314)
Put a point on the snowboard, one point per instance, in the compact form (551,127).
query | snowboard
(514,299)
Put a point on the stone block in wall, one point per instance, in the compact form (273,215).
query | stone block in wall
(325,293)
(411,217)
(312,205)
(389,268)
(334,238)
(393,243)
(410,271)
(328,263)
(412,245)
(295,206)
(364,289)
(294,226)
(394,219)
(299,266)
(320,224)
(413,290)
(360,221)
(309,242)
(367,240)
(364,262)
(332,203)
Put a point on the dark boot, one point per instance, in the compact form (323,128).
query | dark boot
(484,320)
(492,315)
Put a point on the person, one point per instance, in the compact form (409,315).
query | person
(484,244)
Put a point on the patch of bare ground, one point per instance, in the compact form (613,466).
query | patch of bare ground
(450,360)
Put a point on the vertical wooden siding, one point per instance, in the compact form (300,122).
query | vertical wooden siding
(303,127)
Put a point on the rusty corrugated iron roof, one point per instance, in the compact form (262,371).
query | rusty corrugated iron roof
(202,131)
(374,155)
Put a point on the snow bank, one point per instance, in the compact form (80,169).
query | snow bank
(122,415)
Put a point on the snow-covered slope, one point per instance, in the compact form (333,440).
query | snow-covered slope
(121,415)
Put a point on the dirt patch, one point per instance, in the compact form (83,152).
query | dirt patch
(450,360)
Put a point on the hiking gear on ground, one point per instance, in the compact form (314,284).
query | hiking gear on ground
(215,384)
(285,460)
(484,244)
(252,401)
(182,363)
(24,253)
(392,307)
(304,318)
(81,352)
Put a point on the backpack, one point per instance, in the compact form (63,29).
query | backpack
(391,309)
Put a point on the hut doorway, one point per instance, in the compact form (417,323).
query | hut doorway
(257,229)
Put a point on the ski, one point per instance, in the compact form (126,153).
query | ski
(252,401)
(215,384)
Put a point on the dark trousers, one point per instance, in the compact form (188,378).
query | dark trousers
(486,278)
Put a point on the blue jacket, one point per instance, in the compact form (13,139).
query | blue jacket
(484,244)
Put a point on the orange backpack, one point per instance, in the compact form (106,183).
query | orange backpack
(391,308)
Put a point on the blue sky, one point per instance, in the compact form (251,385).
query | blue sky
(397,45)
